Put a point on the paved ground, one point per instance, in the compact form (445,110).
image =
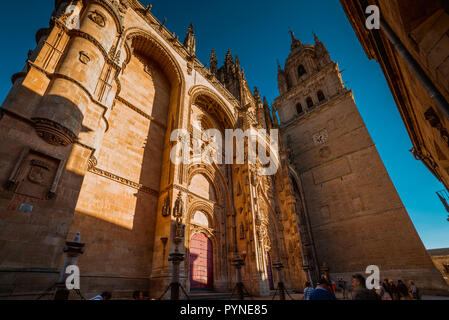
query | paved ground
(340,297)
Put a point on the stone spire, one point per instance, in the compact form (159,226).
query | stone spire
(275,116)
(295,42)
(190,41)
(229,65)
(229,60)
(279,67)
(213,62)
(257,96)
(267,110)
(321,51)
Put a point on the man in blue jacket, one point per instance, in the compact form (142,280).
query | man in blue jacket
(322,291)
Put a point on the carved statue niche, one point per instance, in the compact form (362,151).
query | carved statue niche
(166,209)
(178,213)
(36,175)
(242,232)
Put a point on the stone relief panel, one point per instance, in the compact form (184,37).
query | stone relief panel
(36,175)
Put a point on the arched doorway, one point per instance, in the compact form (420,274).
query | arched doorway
(201,263)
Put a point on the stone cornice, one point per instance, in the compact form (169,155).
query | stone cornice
(124,181)
(187,191)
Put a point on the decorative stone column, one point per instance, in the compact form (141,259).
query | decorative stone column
(73,249)
(176,258)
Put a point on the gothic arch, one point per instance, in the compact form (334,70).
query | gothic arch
(204,207)
(202,95)
(215,177)
(213,233)
(144,42)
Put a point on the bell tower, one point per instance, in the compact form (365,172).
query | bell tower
(354,212)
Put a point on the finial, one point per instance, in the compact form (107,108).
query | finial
(292,34)
(148,9)
(295,42)
(265,102)
(316,38)
(229,59)
(237,62)
(190,41)
(190,29)
(257,96)
(213,63)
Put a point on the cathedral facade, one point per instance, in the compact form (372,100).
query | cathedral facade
(85,148)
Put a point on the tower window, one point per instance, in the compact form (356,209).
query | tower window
(299,108)
(321,96)
(309,102)
(301,71)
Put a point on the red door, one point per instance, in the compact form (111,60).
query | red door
(201,262)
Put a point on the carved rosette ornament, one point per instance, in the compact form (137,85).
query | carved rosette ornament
(53,133)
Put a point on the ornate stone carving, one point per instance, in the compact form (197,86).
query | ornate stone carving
(178,213)
(53,133)
(98,18)
(124,181)
(84,57)
(36,175)
(433,119)
(166,208)
(320,137)
(92,163)
(38,171)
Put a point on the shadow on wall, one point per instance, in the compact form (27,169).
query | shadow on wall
(117,210)
(39,188)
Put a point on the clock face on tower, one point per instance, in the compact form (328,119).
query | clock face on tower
(320,137)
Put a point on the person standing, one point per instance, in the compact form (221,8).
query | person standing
(342,285)
(384,295)
(393,291)
(414,291)
(360,291)
(322,291)
(386,286)
(308,290)
(402,290)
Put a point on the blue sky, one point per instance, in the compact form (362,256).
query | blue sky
(257,31)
